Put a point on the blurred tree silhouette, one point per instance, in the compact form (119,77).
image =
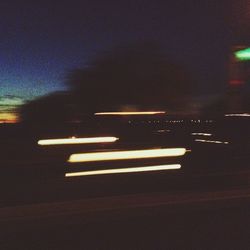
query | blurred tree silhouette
(217,108)
(233,101)
(54,108)
(134,76)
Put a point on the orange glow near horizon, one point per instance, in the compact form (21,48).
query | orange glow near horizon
(125,155)
(8,118)
(125,170)
(74,140)
(132,113)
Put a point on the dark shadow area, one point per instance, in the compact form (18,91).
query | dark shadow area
(129,78)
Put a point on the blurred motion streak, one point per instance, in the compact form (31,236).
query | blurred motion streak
(123,155)
(77,140)
(208,141)
(132,113)
(204,134)
(243,54)
(243,115)
(163,130)
(125,170)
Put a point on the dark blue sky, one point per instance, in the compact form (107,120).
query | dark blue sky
(42,40)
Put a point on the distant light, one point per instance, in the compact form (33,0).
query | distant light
(132,113)
(74,140)
(125,170)
(124,155)
(240,115)
(208,141)
(236,82)
(163,130)
(203,134)
(243,55)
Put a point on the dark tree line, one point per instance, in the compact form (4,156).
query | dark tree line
(138,76)
(54,108)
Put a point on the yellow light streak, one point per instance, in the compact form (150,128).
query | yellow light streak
(74,140)
(132,113)
(125,170)
(124,155)
(208,141)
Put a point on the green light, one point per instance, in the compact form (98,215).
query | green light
(243,55)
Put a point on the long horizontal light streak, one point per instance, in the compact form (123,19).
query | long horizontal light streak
(125,170)
(240,115)
(208,141)
(77,140)
(124,155)
(203,134)
(132,113)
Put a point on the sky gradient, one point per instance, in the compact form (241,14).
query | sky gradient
(42,41)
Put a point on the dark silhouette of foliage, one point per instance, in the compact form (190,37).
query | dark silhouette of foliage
(137,75)
(217,108)
(53,108)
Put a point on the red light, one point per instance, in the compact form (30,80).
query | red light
(236,82)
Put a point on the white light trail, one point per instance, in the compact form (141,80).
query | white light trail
(208,141)
(239,115)
(77,140)
(124,155)
(203,134)
(124,170)
(131,113)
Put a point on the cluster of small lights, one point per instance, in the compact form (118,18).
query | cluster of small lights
(156,121)
(139,122)
(174,121)
(200,121)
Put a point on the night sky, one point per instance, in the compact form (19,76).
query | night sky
(41,41)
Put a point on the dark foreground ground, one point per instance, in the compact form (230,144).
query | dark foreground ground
(204,205)
(90,224)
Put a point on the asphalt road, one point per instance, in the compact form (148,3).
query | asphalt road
(180,220)
(203,205)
